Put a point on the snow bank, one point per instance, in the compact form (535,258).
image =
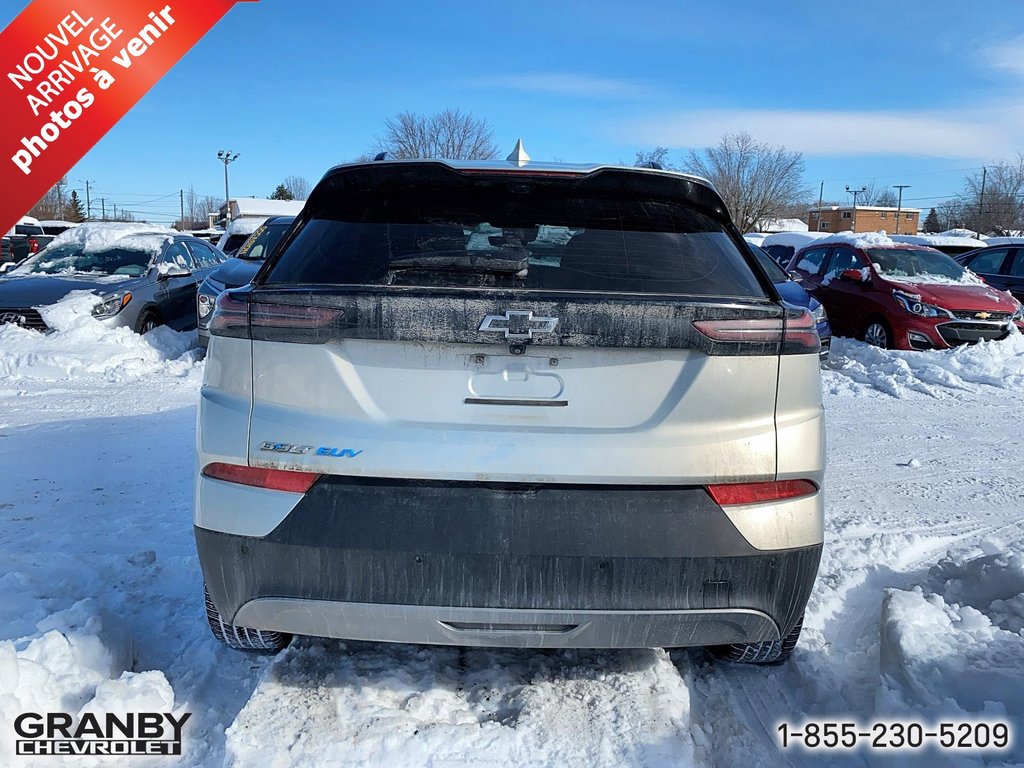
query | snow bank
(951,648)
(79,661)
(855,367)
(79,344)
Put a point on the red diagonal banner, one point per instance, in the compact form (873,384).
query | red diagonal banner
(70,69)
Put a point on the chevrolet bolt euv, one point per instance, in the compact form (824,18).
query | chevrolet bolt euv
(511,404)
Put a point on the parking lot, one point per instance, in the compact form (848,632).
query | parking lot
(916,608)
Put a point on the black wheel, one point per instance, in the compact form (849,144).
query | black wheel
(242,638)
(877,334)
(147,321)
(770,652)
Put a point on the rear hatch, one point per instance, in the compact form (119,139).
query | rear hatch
(424,322)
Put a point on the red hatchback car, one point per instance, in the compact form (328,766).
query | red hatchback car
(902,296)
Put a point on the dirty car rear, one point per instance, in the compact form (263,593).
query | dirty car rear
(511,405)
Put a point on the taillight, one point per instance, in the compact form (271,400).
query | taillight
(293,316)
(796,332)
(754,329)
(262,477)
(230,317)
(33,245)
(801,334)
(241,318)
(727,494)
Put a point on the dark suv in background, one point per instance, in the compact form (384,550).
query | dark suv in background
(238,271)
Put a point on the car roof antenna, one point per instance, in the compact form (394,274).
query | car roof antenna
(380,156)
(518,155)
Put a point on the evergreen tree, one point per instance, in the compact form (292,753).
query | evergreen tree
(282,193)
(74,210)
(931,222)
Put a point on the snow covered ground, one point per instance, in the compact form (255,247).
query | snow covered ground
(918,609)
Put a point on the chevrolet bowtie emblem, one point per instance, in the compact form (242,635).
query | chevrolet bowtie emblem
(518,324)
(983,315)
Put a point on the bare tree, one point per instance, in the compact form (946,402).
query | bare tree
(757,181)
(877,195)
(1001,209)
(51,206)
(450,134)
(647,158)
(298,186)
(197,209)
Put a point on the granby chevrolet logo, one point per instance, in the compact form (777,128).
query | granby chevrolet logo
(132,733)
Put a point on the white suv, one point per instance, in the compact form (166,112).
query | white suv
(511,404)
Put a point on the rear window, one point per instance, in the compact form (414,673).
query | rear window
(28,229)
(521,237)
(261,242)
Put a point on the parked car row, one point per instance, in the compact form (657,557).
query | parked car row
(903,296)
(144,276)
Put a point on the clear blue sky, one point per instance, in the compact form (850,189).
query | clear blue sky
(898,92)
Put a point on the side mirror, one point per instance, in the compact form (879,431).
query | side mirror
(796,277)
(853,275)
(168,271)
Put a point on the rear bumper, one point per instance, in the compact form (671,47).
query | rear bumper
(507,565)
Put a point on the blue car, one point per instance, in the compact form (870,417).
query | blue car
(792,292)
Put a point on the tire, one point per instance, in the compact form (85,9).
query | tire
(768,652)
(243,638)
(877,334)
(147,321)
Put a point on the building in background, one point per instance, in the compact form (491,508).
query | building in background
(259,207)
(863,218)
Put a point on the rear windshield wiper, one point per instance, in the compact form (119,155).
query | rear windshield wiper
(462,262)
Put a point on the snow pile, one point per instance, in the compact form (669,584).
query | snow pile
(793,239)
(100,236)
(952,648)
(384,705)
(855,366)
(859,239)
(78,344)
(933,241)
(79,661)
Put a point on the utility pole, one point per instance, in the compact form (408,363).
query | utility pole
(103,206)
(899,204)
(181,199)
(226,157)
(981,200)
(821,195)
(88,200)
(855,192)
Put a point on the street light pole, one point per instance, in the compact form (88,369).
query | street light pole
(899,204)
(855,192)
(226,157)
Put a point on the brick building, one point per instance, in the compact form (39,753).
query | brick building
(863,218)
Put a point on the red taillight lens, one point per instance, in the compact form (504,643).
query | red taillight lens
(742,330)
(726,494)
(293,316)
(262,477)
(230,316)
(33,245)
(801,334)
